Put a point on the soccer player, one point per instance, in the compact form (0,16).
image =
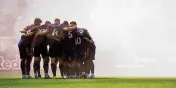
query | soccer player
(82,41)
(55,50)
(69,47)
(89,64)
(90,56)
(25,47)
(40,48)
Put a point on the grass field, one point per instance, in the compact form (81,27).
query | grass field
(87,83)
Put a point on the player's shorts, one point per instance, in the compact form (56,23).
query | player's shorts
(55,50)
(69,55)
(40,49)
(90,56)
(24,50)
(80,54)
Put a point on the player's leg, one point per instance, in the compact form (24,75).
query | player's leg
(45,56)
(52,54)
(36,65)
(39,74)
(80,67)
(61,66)
(28,62)
(91,63)
(73,63)
(87,68)
(65,64)
(60,59)
(23,57)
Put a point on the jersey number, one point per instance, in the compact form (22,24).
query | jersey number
(42,30)
(78,41)
(28,31)
(70,35)
(55,32)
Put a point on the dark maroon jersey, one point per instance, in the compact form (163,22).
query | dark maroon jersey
(69,40)
(41,39)
(54,30)
(27,40)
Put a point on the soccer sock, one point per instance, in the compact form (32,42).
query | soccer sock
(39,74)
(53,68)
(36,67)
(61,69)
(92,67)
(28,66)
(23,66)
(65,70)
(87,70)
(45,66)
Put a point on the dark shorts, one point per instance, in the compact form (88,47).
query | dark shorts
(55,50)
(40,49)
(69,55)
(91,56)
(80,54)
(24,50)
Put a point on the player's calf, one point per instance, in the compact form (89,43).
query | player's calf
(46,67)
(53,66)
(36,66)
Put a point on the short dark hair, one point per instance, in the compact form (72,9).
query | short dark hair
(47,22)
(73,22)
(37,20)
(57,19)
(65,22)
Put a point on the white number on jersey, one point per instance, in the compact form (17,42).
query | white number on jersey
(70,35)
(42,30)
(55,32)
(78,41)
(28,31)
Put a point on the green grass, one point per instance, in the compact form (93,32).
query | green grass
(87,83)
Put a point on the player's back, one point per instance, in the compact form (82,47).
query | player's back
(69,40)
(80,41)
(27,39)
(41,39)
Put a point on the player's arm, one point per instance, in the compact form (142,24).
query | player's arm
(87,37)
(49,34)
(27,35)
(70,28)
(43,33)
(58,36)
(52,37)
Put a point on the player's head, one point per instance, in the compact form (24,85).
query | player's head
(37,21)
(57,21)
(65,23)
(47,22)
(73,23)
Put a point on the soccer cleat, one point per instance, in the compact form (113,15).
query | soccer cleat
(28,77)
(54,77)
(39,76)
(87,76)
(23,76)
(36,77)
(64,77)
(92,76)
(47,77)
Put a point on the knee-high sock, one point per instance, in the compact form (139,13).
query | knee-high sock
(61,69)
(28,66)
(46,64)
(53,68)
(36,67)
(22,65)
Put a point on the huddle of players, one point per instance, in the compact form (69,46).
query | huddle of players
(69,45)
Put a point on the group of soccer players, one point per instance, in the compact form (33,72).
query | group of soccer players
(69,46)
